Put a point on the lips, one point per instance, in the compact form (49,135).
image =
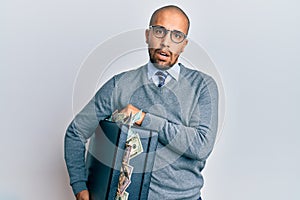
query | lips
(163,54)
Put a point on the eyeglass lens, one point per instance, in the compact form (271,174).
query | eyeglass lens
(160,32)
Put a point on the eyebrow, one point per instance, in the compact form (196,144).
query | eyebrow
(168,29)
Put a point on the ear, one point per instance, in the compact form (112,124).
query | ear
(147,36)
(185,42)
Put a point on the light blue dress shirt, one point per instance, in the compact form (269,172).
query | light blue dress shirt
(173,72)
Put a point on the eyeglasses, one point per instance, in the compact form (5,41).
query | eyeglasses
(160,32)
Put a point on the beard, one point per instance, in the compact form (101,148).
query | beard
(162,59)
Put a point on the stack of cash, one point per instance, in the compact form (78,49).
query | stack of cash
(133,148)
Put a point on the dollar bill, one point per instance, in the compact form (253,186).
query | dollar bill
(123,184)
(124,178)
(122,197)
(126,155)
(124,119)
(130,132)
(128,120)
(127,170)
(136,144)
(118,117)
(137,116)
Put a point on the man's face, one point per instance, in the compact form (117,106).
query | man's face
(164,52)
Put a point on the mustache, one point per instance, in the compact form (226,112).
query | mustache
(162,50)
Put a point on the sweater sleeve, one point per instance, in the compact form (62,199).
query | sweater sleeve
(196,140)
(81,128)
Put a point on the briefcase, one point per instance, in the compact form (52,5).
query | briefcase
(104,161)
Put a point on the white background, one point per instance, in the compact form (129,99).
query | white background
(254,44)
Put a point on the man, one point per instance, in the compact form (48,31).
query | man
(179,103)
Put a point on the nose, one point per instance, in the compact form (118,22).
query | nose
(166,41)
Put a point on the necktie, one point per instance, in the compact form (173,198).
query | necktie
(161,77)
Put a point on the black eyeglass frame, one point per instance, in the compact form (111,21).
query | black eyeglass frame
(166,32)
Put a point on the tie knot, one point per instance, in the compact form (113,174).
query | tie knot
(161,77)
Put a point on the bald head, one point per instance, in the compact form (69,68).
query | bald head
(170,9)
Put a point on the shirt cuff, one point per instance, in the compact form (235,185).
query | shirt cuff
(153,122)
(78,187)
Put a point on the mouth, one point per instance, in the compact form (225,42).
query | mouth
(162,54)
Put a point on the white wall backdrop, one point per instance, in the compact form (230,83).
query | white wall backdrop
(254,44)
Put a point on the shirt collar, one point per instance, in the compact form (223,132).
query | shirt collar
(174,71)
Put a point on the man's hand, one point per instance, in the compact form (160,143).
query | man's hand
(83,195)
(131,109)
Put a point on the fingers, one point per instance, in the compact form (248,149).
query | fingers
(130,109)
(83,195)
